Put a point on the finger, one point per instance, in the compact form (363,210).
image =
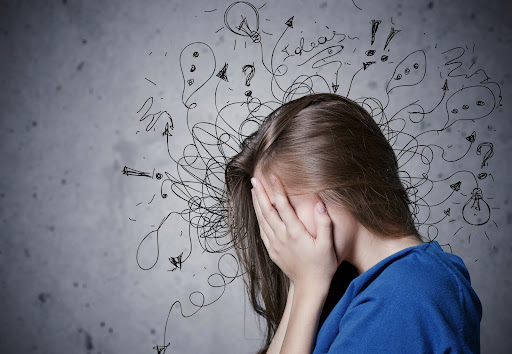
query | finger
(263,235)
(287,213)
(265,240)
(261,220)
(323,224)
(267,210)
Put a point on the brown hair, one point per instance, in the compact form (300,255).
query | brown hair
(324,144)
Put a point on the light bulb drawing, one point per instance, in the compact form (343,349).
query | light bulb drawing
(245,18)
(476,211)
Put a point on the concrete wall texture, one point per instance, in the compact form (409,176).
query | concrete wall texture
(94,256)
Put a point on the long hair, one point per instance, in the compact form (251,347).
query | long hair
(324,144)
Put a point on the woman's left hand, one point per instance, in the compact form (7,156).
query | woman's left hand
(308,262)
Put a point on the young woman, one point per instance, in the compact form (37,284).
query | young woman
(326,200)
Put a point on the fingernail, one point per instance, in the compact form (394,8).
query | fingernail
(320,207)
(273,179)
(253,182)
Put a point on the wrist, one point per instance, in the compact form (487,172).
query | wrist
(311,292)
(308,302)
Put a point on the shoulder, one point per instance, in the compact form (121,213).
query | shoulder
(424,278)
(422,295)
(424,271)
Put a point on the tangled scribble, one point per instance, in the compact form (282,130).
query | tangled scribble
(446,95)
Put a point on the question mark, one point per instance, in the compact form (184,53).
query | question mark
(488,155)
(250,75)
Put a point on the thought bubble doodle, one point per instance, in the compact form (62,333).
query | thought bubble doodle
(409,72)
(203,69)
(469,103)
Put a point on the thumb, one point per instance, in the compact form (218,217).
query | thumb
(323,224)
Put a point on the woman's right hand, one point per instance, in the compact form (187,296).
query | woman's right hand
(309,262)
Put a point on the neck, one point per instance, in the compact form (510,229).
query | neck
(369,249)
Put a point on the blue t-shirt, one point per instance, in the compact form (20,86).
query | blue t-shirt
(418,300)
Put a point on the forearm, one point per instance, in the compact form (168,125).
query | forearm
(305,313)
(277,341)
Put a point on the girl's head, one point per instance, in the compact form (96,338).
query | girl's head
(321,146)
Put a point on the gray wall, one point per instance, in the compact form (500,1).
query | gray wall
(76,73)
